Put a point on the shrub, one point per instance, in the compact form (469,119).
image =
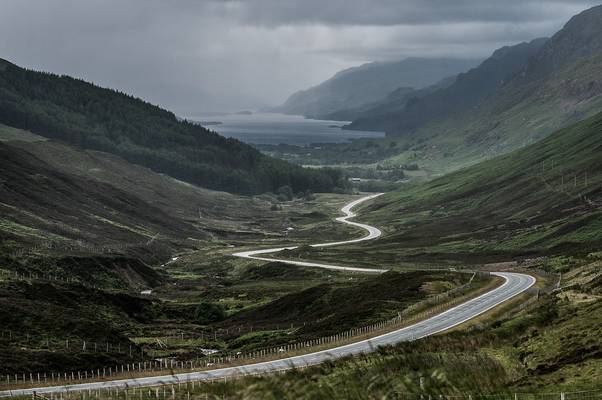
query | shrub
(207,313)
(285,193)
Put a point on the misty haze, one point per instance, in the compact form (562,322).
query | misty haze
(282,199)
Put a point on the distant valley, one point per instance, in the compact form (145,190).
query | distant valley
(428,228)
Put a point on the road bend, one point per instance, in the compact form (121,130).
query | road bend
(514,284)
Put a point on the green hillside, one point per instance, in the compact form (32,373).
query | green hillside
(85,115)
(543,199)
(62,200)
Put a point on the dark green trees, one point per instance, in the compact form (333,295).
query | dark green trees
(85,115)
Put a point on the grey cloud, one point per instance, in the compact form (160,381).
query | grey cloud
(396,12)
(193,56)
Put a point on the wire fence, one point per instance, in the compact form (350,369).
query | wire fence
(573,185)
(141,363)
(70,345)
(31,276)
(36,276)
(144,366)
(156,250)
(188,389)
(569,395)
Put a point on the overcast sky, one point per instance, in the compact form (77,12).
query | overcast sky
(195,56)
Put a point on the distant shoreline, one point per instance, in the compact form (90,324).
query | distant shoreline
(276,128)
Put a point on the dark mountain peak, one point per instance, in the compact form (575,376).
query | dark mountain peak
(511,50)
(580,37)
(4,64)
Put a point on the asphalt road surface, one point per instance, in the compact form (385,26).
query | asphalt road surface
(514,284)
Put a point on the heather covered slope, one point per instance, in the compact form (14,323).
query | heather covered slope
(71,200)
(543,199)
(521,113)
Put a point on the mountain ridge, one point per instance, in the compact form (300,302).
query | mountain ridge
(468,89)
(578,38)
(358,86)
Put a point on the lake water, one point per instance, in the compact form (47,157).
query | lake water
(272,128)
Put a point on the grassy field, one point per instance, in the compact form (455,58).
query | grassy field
(8,133)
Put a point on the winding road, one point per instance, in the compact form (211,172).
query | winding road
(514,284)
(373,233)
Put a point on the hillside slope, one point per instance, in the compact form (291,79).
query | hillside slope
(543,199)
(519,114)
(58,199)
(580,37)
(82,114)
(368,83)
